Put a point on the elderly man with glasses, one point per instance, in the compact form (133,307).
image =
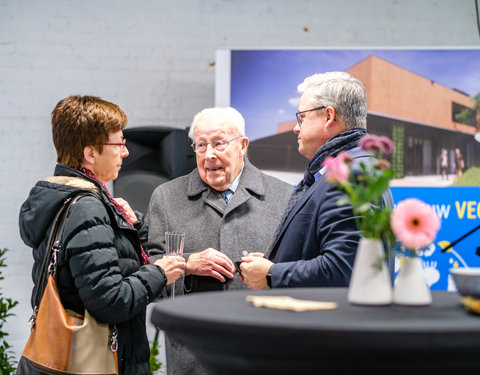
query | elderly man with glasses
(316,240)
(225,206)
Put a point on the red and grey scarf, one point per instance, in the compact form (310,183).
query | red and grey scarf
(119,208)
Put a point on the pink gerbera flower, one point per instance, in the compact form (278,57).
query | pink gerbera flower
(337,168)
(414,223)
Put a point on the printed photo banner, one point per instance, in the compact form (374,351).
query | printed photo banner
(262,85)
(459,211)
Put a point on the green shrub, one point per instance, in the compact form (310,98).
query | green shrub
(470,178)
(7,362)
(155,364)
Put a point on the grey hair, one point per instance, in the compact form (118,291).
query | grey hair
(341,91)
(227,116)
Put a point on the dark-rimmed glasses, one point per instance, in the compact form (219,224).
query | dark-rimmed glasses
(122,144)
(219,145)
(300,118)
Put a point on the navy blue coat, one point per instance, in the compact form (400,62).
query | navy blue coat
(318,241)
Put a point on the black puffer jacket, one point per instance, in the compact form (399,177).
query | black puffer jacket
(100,265)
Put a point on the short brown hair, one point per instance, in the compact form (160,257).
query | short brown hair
(80,121)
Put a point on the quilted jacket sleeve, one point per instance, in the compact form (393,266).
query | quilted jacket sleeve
(142,228)
(104,263)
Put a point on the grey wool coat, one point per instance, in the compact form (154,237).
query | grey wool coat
(187,204)
(248,222)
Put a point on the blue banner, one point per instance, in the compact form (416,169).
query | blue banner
(459,211)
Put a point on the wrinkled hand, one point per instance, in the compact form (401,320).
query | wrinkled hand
(256,254)
(173,266)
(254,271)
(122,202)
(210,262)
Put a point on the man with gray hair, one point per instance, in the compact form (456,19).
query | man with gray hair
(316,240)
(225,206)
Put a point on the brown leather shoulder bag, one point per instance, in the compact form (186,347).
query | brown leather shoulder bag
(62,341)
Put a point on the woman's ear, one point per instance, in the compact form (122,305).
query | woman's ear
(89,155)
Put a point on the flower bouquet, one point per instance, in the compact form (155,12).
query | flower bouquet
(413,222)
(364,190)
(365,187)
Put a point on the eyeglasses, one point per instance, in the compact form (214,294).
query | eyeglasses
(122,145)
(300,118)
(219,145)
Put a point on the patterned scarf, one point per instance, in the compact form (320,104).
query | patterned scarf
(119,208)
(343,141)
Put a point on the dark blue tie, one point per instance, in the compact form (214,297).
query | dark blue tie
(226,195)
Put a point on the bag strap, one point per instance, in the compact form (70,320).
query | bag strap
(54,245)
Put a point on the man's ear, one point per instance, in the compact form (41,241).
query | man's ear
(244,145)
(89,154)
(330,114)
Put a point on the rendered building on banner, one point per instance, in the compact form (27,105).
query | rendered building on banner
(420,115)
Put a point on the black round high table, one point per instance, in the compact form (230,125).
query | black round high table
(230,336)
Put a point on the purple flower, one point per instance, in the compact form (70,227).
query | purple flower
(376,143)
(387,144)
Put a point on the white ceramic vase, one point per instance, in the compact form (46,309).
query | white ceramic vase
(410,286)
(370,284)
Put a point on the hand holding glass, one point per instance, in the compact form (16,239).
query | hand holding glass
(174,242)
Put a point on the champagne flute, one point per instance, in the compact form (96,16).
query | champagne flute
(174,242)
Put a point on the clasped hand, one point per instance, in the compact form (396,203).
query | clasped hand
(210,262)
(254,269)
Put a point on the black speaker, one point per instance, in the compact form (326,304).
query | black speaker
(156,155)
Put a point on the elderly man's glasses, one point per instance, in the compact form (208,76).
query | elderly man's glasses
(122,144)
(219,145)
(300,117)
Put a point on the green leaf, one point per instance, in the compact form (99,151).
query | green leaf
(344,200)
(365,207)
(154,363)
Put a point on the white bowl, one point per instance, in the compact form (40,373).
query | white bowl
(467,281)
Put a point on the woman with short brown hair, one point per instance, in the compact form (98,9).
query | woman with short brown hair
(102,266)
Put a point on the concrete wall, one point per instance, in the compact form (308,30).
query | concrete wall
(156,59)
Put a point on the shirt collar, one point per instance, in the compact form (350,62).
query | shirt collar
(252,180)
(233,187)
